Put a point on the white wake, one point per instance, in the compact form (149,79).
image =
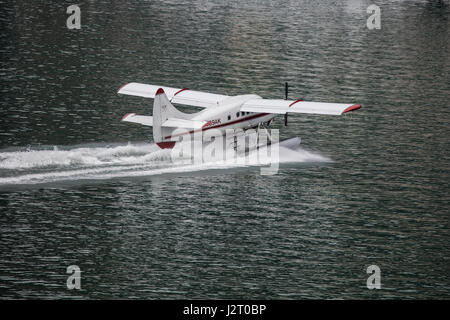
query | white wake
(21,167)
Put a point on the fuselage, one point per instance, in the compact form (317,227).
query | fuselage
(227,115)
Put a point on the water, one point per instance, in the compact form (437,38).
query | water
(77,186)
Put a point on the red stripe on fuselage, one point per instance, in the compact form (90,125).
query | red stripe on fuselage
(221,125)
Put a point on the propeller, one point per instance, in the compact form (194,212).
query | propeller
(286,92)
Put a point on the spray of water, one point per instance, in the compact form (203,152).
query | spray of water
(22,167)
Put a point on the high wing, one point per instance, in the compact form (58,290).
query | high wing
(171,122)
(175,95)
(296,106)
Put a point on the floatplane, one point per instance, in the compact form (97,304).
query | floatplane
(220,112)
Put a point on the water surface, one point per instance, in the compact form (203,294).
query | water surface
(77,186)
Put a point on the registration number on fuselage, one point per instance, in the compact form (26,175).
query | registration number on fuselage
(211,123)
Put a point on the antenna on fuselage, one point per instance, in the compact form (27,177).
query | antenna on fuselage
(286,93)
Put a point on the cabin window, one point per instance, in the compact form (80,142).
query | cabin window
(229,117)
(237,115)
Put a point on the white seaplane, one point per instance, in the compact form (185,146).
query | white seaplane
(220,111)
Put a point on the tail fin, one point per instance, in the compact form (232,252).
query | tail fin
(163,110)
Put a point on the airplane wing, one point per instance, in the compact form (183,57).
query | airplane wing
(296,106)
(171,122)
(175,95)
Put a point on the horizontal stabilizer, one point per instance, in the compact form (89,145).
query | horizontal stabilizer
(144,120)
(171,122)
(182,123)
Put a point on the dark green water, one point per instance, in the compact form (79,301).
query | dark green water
(77,186)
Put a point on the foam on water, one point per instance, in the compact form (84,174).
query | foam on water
(106,162)
(83,156)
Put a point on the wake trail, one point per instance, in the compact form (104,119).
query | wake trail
(28,166)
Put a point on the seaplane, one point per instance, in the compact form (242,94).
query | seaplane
(220,112)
